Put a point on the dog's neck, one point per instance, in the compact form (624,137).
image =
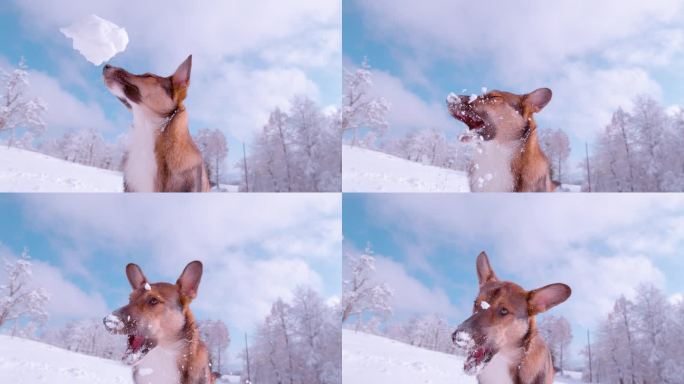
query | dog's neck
(160,365)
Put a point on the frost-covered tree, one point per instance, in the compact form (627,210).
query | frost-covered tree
(17,109)
(86,336)
(640,150)
(557,334)
(19,300)
(640,341)
(359,108)
(556,145)
(362,294)
(217,338)
(296,151)
(298,343)
(214,148)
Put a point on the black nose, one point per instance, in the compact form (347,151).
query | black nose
(106,67)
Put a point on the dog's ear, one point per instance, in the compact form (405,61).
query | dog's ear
(538,99)
(544,298)
(181,78)
(485,273)
(189,280)
(135,276)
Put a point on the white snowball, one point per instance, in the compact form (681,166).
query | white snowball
(97,39)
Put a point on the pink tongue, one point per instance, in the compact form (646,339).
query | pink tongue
(478,355)
(137,343)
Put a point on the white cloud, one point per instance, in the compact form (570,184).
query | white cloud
(410,295)
(67,300)
(248,57)
(594,56)
(601,245)
(254,248)
(407,111)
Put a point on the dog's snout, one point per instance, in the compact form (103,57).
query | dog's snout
(106,68)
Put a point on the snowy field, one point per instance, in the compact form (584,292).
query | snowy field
(27,362)
(27,171)
(365,170)
(373,359)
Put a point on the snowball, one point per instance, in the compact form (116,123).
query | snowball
(147,287)
(453,98)
(484,304)
(473,97)
(484,90)
(97,39)
(113,322)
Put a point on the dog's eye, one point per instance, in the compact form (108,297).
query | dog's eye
(153,301)
(503,311)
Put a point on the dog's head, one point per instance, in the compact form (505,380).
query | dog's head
(503,313)
(498,115)
(156,313)
(148,93)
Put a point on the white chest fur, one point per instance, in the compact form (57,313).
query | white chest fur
(491,169)
(498,371)
(159,366)
(140,169)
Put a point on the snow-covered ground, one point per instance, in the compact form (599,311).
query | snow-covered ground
(27,171)
(366,170)
(27,362)
(374,359)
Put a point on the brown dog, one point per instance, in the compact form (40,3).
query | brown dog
(161,155)
(509,157)
(164,343)
(500,338)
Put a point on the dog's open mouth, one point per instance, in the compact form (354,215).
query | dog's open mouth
(477,359)
(138,347)
(461,109)
(477,355)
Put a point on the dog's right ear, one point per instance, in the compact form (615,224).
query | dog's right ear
(538,99)
(135,276)
(485,273)
(189,280)
(181,78)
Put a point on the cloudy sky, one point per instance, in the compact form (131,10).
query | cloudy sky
(603,246)
(248,58)
(595,56)
(82,243)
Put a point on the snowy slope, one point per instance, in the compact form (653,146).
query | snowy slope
(26,171)
(369,359)
(27,362)
(365,170)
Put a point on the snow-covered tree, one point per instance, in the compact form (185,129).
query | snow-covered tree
(556,145)
(214,148)
(298,343)
(359,108)
(557,333)
(217,338)
(86,336)
(19,300)
(17,109)
(640,150)
(296,151)
(362,294)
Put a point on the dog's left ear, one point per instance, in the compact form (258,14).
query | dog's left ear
(189,280)
(544,298)
(538,99)
(181,78)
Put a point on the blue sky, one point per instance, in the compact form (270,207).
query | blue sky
(81,244)
(602,246)
(241,69)
(595,57)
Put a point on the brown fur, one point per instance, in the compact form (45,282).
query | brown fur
(509,323)
(154,313)
(508,119)
(179,164)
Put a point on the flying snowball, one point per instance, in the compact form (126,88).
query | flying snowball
(97,39)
